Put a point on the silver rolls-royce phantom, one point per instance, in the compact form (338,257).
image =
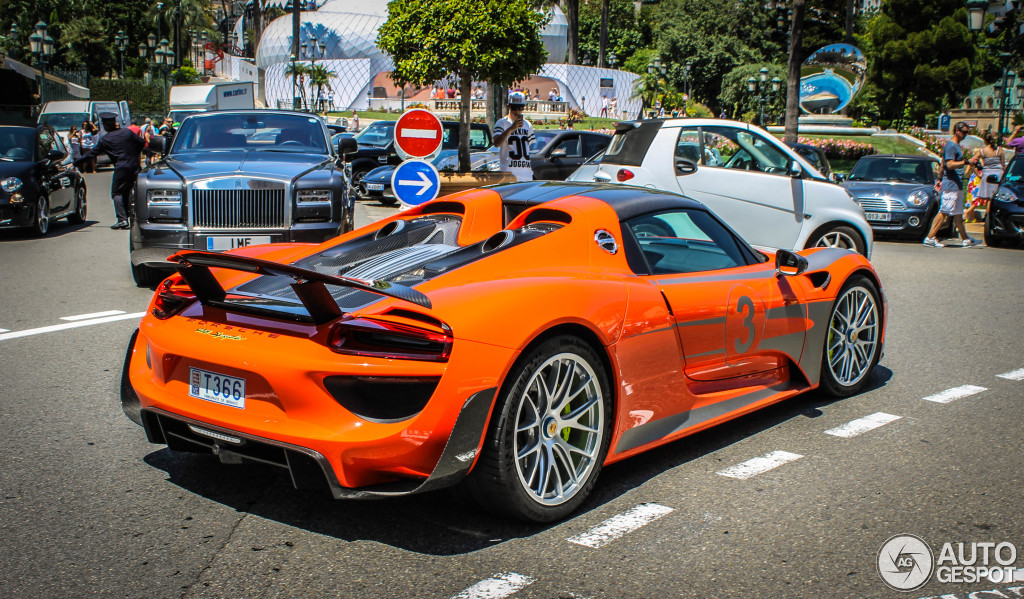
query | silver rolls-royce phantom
(237,178)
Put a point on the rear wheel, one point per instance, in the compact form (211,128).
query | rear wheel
(838,236)
(990,236)
(81,208)
(854,339)
(548,436)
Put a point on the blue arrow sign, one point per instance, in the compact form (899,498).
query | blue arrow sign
(415,182)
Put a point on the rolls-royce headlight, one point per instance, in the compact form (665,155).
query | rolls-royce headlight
(11,184)
(314,196)
(164,196)
(1005,195)
(918,198)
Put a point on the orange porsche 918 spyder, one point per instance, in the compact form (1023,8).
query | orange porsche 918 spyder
(512,339)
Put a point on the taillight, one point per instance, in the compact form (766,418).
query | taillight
(624,175)
(172,296)
(383,339)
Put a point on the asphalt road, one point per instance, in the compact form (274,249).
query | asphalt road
(88,508)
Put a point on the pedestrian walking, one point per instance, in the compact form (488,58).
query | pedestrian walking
(125,150)
(89,139)
(75,143)
(148,131)
(353,122)
(951,203)
(513,135)
(991,158)
(604,106)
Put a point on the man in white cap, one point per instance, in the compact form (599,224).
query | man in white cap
(124,147)
(513,135)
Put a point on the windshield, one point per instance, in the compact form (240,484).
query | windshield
(63,121)
(254,132)
(15,144)
(1015,171)
(541,139)
(903,170)
(179,115)
(377,134)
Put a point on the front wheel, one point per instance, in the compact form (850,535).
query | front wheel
(81,208)
(549,434)
(839,236)
(41,224)
(990,236)
(853,343)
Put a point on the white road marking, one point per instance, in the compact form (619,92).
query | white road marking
(756,466)
(93,315)
(616,526)
(4,330)
(69,325)
(862,425)
(501,585)
(955,393)
(1016,375)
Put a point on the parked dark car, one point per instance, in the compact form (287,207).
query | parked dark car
(555,154)
(238,178)
(37,184)
(377,145)
(896,192)
(816,156)
(1004,219)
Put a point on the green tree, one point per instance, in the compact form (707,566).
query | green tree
(492,40)
(626,33)
(298,71)
(84,42)
(921,49)
(715,37)
(319,78)
(737,100)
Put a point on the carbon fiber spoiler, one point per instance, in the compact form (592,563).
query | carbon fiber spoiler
(310,286)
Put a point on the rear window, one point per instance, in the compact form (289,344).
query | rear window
(630,147)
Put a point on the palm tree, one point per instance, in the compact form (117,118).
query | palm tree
(301,71)
(319,77)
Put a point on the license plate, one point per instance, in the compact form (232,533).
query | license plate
(225,242)
(218,388)
(375,186)
(877,216)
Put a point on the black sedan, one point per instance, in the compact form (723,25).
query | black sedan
(816,156)
(235,178)
(1004,219)
(896,192)
(36,186)
(555,153)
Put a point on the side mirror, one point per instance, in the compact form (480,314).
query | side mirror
(158,144)
(839,177)
(788,264)
(55,154)
(795,170)
(685,167)
(347,145)
(558,153)
(992,179)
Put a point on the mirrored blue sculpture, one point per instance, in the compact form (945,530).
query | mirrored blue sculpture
(831,77)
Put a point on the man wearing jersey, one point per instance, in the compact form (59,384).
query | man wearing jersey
(513,135)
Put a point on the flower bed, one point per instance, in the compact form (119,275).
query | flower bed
(844,149)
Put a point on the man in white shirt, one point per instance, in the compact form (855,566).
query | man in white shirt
(513,135)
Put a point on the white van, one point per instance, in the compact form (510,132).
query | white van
(63,114)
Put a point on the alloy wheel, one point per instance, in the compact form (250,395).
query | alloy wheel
(853,335)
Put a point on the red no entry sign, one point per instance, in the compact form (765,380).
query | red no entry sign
(418,134)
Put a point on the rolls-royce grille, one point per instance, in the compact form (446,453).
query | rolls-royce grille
(880,204)
(238,208)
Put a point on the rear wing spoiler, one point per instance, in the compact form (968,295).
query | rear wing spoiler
(309,285)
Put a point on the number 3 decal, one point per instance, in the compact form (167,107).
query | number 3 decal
(744,321)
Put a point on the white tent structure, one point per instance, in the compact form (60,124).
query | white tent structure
(348,30)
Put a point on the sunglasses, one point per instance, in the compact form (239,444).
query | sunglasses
(964,130)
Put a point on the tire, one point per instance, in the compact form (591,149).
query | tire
(41,224)
(535,465)
(839,236)
(990,237)
(851,352)
(81,207)
(357,182)
(146,276)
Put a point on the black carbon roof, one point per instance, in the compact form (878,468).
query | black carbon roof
(627,201)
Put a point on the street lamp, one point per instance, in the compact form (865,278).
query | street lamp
(12,44)
(121,41)
(761,86)
(976,10)
(656,68)
(686,77)
(612,60)
(976,14)
(41,46)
